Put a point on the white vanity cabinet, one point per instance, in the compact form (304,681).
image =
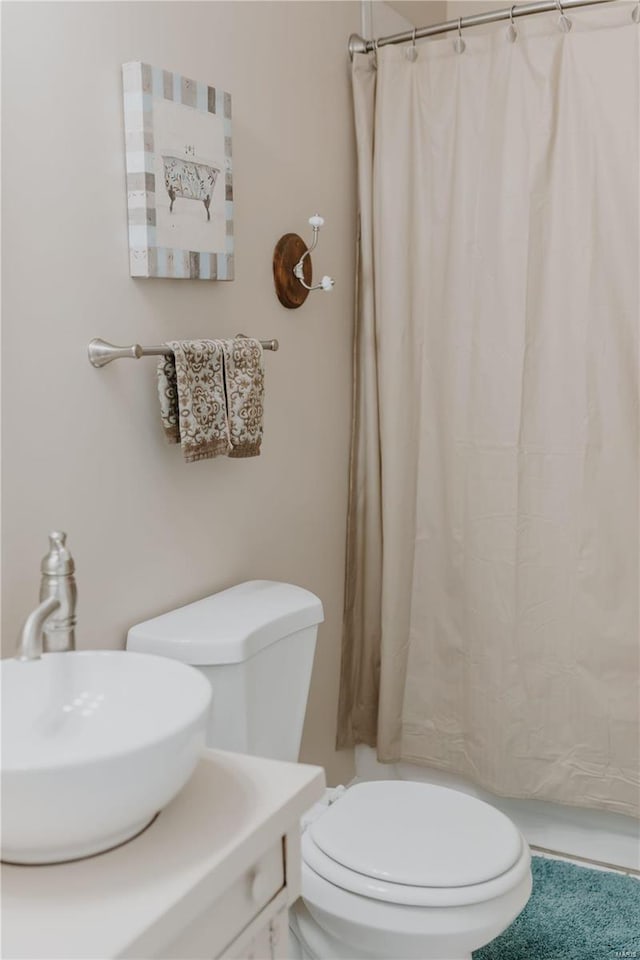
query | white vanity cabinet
(212,877)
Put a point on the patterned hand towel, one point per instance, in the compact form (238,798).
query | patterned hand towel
(244,379)
(192,398)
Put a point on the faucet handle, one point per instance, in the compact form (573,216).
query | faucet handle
(58,561)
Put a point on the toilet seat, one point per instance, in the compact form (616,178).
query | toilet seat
(415,844)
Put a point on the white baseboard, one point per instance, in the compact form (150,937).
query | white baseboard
(593,834)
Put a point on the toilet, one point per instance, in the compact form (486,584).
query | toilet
(391,869)
(396,869)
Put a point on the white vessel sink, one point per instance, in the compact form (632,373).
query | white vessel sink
(94,744)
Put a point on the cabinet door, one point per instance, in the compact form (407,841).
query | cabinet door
(222,920)
(266,939)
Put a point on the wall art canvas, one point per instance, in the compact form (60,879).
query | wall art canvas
(179,175)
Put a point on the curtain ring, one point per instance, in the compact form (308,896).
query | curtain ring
(563,20)
(458,44)
(411,52)
(512,30)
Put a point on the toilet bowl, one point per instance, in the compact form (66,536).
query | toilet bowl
(391,869)
(395,869)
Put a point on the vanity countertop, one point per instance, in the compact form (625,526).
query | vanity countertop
(125,902)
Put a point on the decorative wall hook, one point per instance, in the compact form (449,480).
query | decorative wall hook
(292,267)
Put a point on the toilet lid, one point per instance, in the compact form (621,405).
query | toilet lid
(417,834)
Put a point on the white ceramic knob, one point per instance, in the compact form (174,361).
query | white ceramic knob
(316,220)
(327,283)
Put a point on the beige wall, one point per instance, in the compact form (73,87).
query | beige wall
(468,8)
(82,448)
(419,13)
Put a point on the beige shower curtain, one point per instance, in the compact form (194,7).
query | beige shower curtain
(491,621)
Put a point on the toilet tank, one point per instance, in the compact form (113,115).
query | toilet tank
(255,644)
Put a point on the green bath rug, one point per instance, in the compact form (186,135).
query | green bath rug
(573,914)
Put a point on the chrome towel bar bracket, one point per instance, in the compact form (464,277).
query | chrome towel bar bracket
(101,352)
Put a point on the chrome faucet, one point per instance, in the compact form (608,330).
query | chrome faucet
(51,626)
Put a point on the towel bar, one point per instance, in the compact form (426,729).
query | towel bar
(100,352)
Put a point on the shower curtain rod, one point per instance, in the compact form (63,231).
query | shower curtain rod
(358,44)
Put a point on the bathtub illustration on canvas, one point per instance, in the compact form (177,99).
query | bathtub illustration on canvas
(190,167)
(189,180)
(179,175)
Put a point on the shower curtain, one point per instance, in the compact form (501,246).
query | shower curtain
(491,613)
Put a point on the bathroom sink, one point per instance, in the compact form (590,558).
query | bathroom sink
(94,744)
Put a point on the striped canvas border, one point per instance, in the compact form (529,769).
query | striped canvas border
(141,83)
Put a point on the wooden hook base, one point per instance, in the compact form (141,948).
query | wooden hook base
(288,251)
